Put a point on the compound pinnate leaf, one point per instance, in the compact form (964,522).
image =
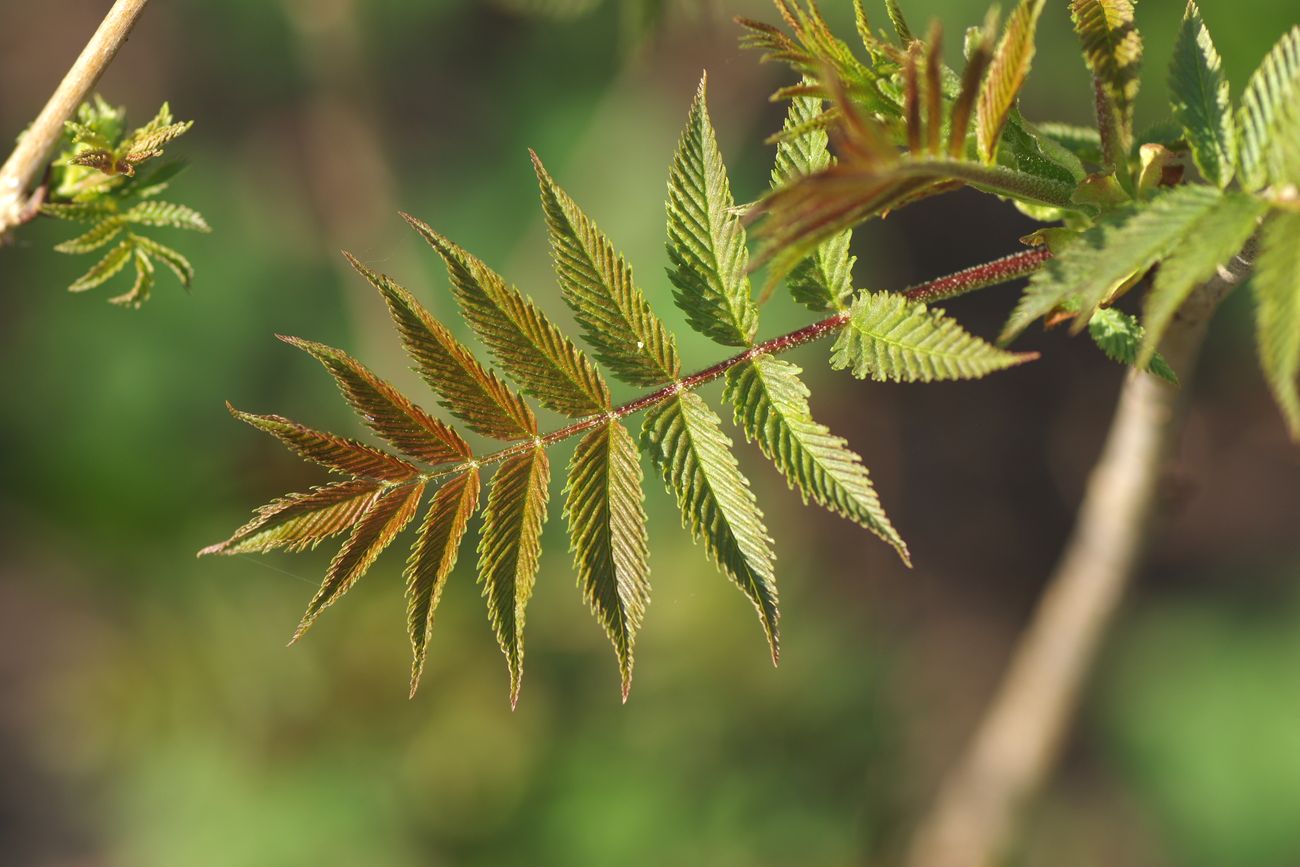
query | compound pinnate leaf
(385,410)
(433,557)
(888,337)
(300,521)
(1006,74)
(1219,234)
(623,331)
(771,405)
(706,241)
(1267,101)
(607,533)
(1277,317)
(684,439)
(1200,99)
(337,453)
(519,335)
(510,548)
(1111,253)
(463,385)
(387,516)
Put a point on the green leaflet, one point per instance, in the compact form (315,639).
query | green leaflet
(889,337)
(1090,268)
(706,241)
(523,340)
(465,387)
(607,534)
(616,319)
(105,269)
(390,512)
(179,265)
(1277,316)
(822,281)
(336,453)
(97,236)
(1112,48)
(1006,74)
(771,405)
(1119,335)
(299,521)
(167,214)
(509,549)
(432,558)
(684,439)
(143,285)
(387,411)
(1200,99)
(895,13)
(1219,235)
(1268,98)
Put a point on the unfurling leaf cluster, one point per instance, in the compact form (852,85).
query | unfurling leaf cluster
(95,181)
(1131,214)
(882,336)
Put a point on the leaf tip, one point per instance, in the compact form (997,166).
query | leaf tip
(1019,358)
(218,548)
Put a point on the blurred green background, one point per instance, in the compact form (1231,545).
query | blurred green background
(149,713)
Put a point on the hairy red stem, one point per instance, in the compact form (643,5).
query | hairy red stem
(967,280)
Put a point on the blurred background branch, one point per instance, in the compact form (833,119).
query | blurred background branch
(1019,738)
(33,150)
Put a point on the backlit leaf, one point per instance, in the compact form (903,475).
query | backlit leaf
(607,534)
(300,521)
(464,386)
(771,405)
(1006,74)
(684,439)
(1199,95)
(1112,252)
(523,340)
(1277,298)
(509,550)
(337,453)
(387,411)
(433,557)
(823,280)
(597,283)
(391,511)
(888,337)
(1269,97)
(706,241)
(1219,234)
(1112,48)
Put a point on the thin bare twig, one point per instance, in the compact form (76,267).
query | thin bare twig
(32,153)
(1015,747)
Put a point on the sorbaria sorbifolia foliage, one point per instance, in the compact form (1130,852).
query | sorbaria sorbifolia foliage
(905,127)
(94,180)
